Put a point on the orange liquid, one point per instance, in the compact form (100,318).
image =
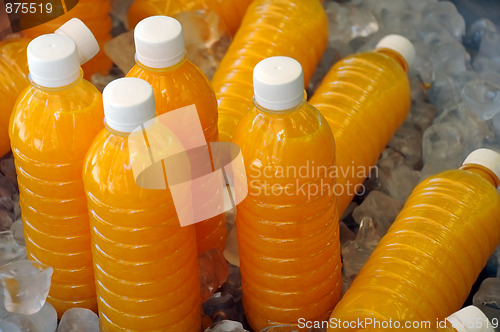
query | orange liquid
(230,11)
(426,264)
(183,85)
(13,79)
(50,132)
(293,28)
(288,237)
(95,14)
(365,98)
(146,265)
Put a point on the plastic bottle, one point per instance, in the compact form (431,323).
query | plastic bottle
(426,264)
(146,265)
(293,28)
(14,73)
(365,97)
(53,124)
(177,82)
(287,226)
(230,11)
(95,14)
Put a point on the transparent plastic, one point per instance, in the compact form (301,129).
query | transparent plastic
(288,224)
(13,79)
(364,97)
(230,11)
(95,15)
(183,85)
(293,28)
(424,267)
(146,265)
(50,132)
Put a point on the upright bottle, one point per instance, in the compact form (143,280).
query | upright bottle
(426,264)
(146,265)
(14,72)
(52,126)
(293,28)
(177,82)
(288,224)
(365,98)
(230,11)
(95,14)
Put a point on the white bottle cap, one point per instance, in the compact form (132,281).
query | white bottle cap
(128,103)
(278,83)
(399,44)
(85,41)
(470,319)
(486,158)
(159,42)
(53,61)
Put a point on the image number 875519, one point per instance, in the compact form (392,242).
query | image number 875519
(28,7)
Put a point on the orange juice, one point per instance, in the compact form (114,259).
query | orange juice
(95,14)
(365,98)
(53,124)
(146,265)
(287,226)
(230,11)
(293,28)
(177,82)
(424,267)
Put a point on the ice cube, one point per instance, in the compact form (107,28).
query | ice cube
(79,320)
(233,283)
(380,207)
(227,326)
(380,5)
(490,46)
(221,306)
(6,326)
(445,14)
(488,293)
(345,233)
(5,219)
(26,285)
(482,97)
(407,140)
(213,271)
(44,320)
(10,251)
(487,69)
(405,23)
(476,31)
(17,231)
(231,251)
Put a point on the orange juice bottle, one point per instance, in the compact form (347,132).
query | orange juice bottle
(145,264)
(293,28)
(365,98)
(95,14)
(426,264)
(14,70)
(287,226)
(230,11)
(177,82)
(53,124)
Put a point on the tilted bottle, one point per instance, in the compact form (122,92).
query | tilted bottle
(365,97)
(424,267)
(293,28)
(145,263)
(177,82)
(287,226)
(53,124)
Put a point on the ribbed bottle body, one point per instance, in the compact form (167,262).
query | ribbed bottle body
(296,28)
(364,98)
(51,131)
(288,225)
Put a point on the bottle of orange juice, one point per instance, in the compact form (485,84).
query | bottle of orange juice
(177,82)
(230,11)
(52,126)
(287,226)
(145,263)
(426,264)
(365,98)
(95,14)
(293,28)
(14,70)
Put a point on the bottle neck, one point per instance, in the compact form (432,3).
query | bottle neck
(162,70)
(484,172)
(278,112)
(396,56)
(57,89)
